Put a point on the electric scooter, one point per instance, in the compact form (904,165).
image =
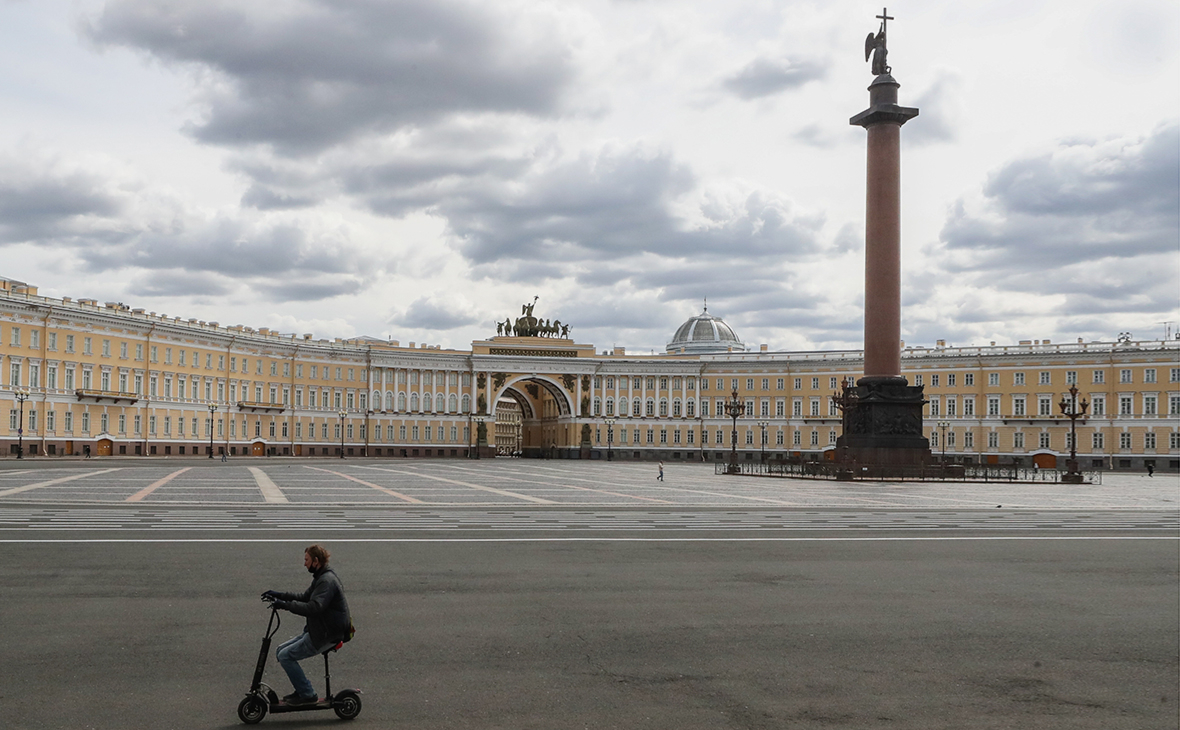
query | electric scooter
(262,699)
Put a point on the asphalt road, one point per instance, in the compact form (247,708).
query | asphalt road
(840,628)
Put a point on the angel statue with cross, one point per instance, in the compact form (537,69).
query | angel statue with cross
(875,46)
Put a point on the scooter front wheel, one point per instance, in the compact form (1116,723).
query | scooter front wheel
(347,705)
(251,710)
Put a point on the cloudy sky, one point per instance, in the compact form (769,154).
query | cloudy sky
(417,169)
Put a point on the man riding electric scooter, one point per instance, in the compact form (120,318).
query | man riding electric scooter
(328,621)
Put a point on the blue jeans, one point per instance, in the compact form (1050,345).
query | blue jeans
(290,653)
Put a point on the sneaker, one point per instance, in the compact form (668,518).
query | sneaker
(298,699)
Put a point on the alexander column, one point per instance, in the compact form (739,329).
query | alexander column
(882,412)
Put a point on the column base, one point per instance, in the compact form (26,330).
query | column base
(883,423)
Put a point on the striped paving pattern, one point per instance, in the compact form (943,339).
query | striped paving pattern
(15,521)
(540,485)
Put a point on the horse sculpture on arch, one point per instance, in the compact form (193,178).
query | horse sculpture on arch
(527,325)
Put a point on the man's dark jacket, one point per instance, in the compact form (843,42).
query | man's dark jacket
(324,606)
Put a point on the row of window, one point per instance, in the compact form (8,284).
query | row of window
(1044,377)
(128,383)
(624,382)
(184,357)
(624,436)
(169,426)
(51,371)
(650,407)
(1048,406)
(938,406)
(1044,440)
(720,436)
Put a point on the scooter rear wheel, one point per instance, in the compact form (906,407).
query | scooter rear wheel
(251,710)
(347,705)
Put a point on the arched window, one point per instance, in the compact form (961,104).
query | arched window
(598,406)
(676,408)
(663,406)
(636,407)
(427,402)
(610,407)
(401,401)
(376,400)
(691,409)
(623,407)
(414,402)
(440,403)
(467,404)
(453,405)
(389,400)
(651,407)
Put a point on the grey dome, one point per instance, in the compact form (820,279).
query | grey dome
(704,333)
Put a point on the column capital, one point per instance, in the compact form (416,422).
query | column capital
(883,106)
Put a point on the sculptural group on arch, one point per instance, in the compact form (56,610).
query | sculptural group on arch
(527,325)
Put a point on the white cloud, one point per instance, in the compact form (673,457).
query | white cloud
(355,165)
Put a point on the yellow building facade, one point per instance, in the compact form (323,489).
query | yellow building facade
(82,377)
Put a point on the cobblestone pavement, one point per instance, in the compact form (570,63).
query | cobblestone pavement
(537,484)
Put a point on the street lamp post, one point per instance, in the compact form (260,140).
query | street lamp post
(368,426)
(734,408)
(610,437)
(21,397)
(942,427)
(479,426)
(343,415)
(1073,410)
(212,410)
(762,425)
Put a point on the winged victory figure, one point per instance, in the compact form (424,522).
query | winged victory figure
(875,47)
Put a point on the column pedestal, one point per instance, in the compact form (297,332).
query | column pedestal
(883,423)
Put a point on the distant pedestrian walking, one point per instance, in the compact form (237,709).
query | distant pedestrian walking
(223,456)
(86,450)
(660,478)
(1150,469)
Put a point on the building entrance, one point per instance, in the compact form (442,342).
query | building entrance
(546,426)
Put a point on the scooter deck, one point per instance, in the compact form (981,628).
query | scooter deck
(323,703)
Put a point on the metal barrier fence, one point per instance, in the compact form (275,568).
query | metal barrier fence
(892,473)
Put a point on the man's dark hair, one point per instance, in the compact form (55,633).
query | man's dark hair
(318,552)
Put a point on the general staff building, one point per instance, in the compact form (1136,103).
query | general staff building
(80,377)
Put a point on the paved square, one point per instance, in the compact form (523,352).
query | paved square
(498,483)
